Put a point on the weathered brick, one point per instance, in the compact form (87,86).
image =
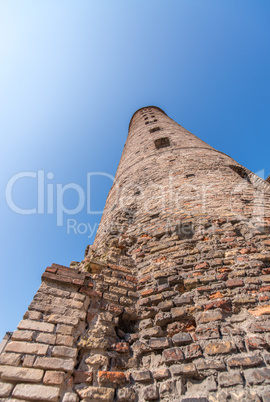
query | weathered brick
(22,335)
(192,351)
(62,319)
(244,361)
(121,347)
(183,369)
(182,338)
(126,394)
(261,310)
(257,376)
(46,338)
(234,283)
(64,340)
(64,351)
(204,364)
(173,355)
(111,377)
(178,313)
(36,392)
(163,318)
(36,326)
(206,332)
(28,360)
(11,359)
(54,363)
(159,343)
(160,374)
(220,347)
(230,379)
(208,316)
(142,376)
(53,377)
(150,393)
(5,389)
(27,347)
(11,373)
(97,393)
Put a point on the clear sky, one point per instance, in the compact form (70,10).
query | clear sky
(72,73)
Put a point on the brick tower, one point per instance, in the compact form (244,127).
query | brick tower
(171,302)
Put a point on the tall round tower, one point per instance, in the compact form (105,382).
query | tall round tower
(172,301)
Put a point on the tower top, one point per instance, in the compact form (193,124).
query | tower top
(145,107)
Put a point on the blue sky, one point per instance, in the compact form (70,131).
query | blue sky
(72,73)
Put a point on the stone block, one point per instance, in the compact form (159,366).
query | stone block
(27,347)
(33,392)
(182,300)
(230,379)
(159,343)
(126,395)
(64,351)
(64,329)
(142,376)
(5,389)
(192,351)
(206,332)
(182,338)
(64,340)
(97,393)
(161,374)
(22,335)
(44,337)
(53,377)
(178,313)
(11,359)
(173,355)
(183,369)
(209,316)
(256,342)
(261,310)
(221,347)
(28,360)
(36,326)
(257,376)
(155,331)
(234,283)
(70,397)
(10,373)
(244,361)
(163,318)
(97,360)
(150,393)
(62,319)
(204,364)
(54,363)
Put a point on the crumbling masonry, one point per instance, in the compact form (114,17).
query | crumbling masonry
(171,302)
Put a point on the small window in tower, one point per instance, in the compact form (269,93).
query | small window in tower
(152,130)
(162,142)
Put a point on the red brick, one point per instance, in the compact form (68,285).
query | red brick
(234,283)
(111,377)
(173,355)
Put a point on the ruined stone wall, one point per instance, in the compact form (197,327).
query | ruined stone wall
(172,301)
